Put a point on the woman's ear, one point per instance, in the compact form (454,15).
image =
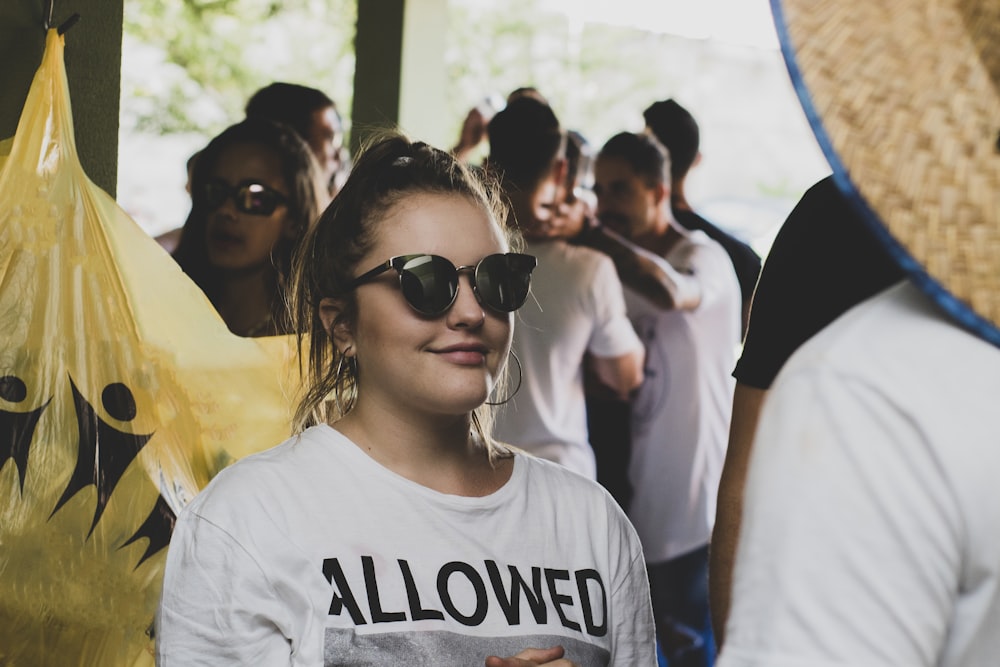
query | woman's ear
(330,313)
(661,193)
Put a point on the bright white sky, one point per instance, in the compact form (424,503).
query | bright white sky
(746,22)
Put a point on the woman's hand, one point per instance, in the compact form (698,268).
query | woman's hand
(533,657)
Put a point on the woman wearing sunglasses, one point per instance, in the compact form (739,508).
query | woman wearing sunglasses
(393,530)
(255,189)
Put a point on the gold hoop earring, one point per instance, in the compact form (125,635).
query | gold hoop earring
(520,378)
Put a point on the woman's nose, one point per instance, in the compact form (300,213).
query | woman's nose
(227,206)
(466,311)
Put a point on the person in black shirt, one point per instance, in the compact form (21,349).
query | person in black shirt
(675,128)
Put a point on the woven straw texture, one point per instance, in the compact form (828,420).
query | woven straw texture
(908,92)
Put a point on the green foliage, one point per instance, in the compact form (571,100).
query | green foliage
(596,77)
(190,65)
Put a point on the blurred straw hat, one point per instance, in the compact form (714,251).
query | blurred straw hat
(904,98)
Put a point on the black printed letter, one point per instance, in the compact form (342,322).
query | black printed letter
(335,575)
(446,571)
(374,604)
(417,613)
(511,606)
(558,600)
(582,577)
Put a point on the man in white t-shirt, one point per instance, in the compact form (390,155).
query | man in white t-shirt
(577,306)
(869,531)
(680,417)
(870,524)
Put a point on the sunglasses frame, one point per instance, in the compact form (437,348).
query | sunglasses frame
(247,188)
(399,262)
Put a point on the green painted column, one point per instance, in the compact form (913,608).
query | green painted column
(378,51)
(399,76)
(93,66)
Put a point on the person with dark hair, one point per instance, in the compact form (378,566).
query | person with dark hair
(473,132)
(393,529)
(678,131)
(255,191)
(312,114)
(680,415)
(526,91)
(578,306)
(675,128)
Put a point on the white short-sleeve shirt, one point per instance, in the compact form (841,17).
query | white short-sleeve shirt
(871,530)
(312,553)
(576,306)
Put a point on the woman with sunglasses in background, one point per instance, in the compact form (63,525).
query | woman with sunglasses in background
(255,189)
(393,530)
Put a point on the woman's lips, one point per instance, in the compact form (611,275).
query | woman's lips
(223,241)
(463,355)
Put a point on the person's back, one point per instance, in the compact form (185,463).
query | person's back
(899,456)
(803,273)
(578,304)
(574,310)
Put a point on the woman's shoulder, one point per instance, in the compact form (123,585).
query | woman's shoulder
(563,482)
(247,478)
(575,502)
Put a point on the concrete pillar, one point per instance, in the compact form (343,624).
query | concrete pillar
(423,113)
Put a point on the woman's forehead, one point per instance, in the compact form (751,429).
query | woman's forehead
(248,160)
(438,223)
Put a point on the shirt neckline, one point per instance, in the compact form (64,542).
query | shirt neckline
(349,448)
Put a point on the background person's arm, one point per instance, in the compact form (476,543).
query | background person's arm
(621,374)
(747,402)
(648,274)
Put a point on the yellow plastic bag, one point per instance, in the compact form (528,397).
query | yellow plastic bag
(121,393)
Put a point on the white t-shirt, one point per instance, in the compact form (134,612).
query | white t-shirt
(871,530)
(680,416)
(576,306)
(312,553)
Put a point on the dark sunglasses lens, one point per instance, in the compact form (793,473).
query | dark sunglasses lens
(503,281)
(256,199)
(429,283)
